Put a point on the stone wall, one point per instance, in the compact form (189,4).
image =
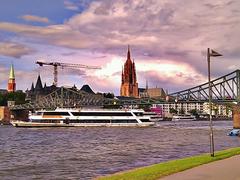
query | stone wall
(236,117)
(5,115)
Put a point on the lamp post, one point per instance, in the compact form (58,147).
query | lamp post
(209,54)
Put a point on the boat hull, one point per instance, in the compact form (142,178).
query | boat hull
(183,118)
(40,125)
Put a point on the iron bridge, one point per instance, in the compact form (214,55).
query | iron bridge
(224,89)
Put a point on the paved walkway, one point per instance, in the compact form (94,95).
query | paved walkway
(227,169)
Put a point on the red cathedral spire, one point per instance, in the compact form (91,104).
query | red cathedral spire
(128,53)
(129,86)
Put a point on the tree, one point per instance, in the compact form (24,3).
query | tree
(145,107)
(182,111)
(3,100)
(194,112)
(173,111)
(18,97)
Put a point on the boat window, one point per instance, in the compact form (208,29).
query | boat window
(89,121)
(138,113)
(86,121)
(101,113)
(124,121)
(56,113)
(145,120)
(38,113)
(46,120)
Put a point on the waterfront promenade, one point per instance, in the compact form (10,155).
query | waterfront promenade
(221,170)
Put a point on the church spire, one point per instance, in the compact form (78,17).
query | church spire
(32,87)
(11,74)
(39,83)
(122,76)
(11,80)
(129,86)
(128,53)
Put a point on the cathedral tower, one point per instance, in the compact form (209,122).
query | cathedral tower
(11,81)
(129,86)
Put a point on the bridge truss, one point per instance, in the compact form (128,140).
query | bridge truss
(68,98)
(224,89)
(64,98)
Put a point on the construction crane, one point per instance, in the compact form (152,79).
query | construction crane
(68,65)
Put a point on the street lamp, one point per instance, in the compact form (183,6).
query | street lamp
(209,54)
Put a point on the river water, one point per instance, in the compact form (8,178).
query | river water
(85,153)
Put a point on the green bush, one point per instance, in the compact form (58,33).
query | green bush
(18,97)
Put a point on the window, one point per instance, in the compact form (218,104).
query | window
(124,121)
(101,113)
(89,121)
(138,113)
(145,120)
(46,120)
(56,113)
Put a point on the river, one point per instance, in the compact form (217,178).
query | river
(84,153)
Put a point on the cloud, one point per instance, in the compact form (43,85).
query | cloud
(55,34)
(76,5)
(15,50)
(33,18)
(161,73)
(4,76)
(70,5)
(158,31)
(194,26)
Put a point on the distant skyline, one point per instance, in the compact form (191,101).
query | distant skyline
(168,41)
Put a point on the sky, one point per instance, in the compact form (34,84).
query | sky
(168,41)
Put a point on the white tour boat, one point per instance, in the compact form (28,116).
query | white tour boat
(85,117)
(183,117)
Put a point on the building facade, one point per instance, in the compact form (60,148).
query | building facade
(152,93)
(201,108)
(129,85)
(217,110)
(40,90)
(11,81)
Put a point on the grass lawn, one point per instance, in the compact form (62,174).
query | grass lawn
(166,168)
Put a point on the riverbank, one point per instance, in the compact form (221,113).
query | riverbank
(221,170)
(157,171)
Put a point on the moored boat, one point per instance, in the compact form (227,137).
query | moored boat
(183,117)
(234,132)
(85,118)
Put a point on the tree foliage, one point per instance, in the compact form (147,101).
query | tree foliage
(18,97)
(173,111)
(194,112)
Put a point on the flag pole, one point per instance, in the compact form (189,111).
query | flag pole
(210,105)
